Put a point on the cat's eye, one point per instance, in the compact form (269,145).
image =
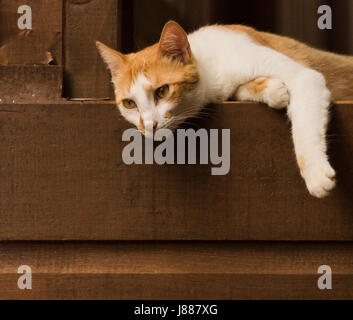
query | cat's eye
(162,92)
(129,104)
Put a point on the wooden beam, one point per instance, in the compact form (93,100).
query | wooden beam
(86,22)
(176,271)
(62,177)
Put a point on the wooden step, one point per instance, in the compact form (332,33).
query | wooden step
(23,84)
(176,271)
(62,178)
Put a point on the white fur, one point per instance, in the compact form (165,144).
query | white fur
(146,108)
(275,95)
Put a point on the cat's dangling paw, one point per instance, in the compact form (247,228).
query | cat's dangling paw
(276,94)
(320,179)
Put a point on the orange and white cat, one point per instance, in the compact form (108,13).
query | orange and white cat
(171,81)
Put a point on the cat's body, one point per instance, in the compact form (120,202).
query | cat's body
(337,69)
(165,84)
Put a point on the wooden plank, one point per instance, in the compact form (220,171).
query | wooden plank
(42,44)
(62,177)
(30,83)
(179,271)
(86,22)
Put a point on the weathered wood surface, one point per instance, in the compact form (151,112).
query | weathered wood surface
(62,177)
(176,270)
(42,44)
(86,22)
(30,83)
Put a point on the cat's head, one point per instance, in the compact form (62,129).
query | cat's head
(156,86)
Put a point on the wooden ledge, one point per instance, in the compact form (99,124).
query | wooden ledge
(62,178)
(19,83)
(176,270)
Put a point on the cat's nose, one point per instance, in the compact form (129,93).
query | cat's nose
(149,127)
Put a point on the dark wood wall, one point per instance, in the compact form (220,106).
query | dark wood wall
(295,18)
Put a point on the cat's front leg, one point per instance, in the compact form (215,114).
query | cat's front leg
(309,113)
(271,91)
(308,110)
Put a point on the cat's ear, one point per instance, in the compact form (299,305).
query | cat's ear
(114,59)
(174,42)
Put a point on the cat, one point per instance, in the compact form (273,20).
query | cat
(171,81)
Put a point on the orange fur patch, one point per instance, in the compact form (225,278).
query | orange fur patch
(159,69)
(142,126)
(301,162)
(258,86)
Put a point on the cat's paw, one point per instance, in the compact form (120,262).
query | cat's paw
(320,179)
(276,94)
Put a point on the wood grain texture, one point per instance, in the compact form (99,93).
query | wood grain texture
(86,22)
(176,270)
(30,83)
(63,178)
(42,44)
